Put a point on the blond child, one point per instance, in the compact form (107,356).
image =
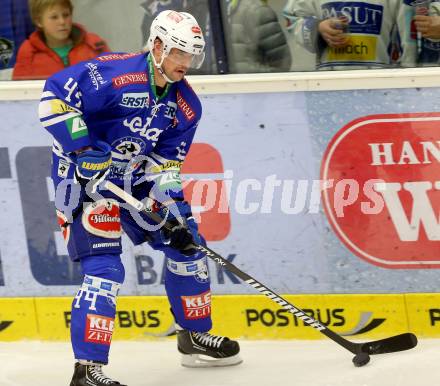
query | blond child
(57,42)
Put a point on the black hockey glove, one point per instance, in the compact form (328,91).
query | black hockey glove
(180,235)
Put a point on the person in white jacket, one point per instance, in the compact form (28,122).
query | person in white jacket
(353,35)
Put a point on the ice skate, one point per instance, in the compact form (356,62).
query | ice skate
(91,375)
(206,350)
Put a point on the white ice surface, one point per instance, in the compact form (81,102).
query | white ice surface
(266,363)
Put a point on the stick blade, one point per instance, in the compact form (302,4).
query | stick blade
(395,343)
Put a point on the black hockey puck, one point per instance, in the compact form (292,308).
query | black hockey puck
(361,359)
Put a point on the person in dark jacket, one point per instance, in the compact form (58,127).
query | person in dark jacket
(200,10)
(256,42)
(15,27)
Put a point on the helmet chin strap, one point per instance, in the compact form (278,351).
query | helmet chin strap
(159,68)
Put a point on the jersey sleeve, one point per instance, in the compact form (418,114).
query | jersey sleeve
(170,152)
(68,97)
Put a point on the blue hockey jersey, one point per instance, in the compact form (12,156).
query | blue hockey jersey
(112,98)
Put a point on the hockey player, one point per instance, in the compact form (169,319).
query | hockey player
(131,118)
(348,35)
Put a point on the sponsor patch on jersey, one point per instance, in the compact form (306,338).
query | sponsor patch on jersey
(130,78)
(167,166)
(63,168)
(165,176)
(76,127)
(185,107)
(57,106)
(65,230)
(363,17)
(137,125)
(197,306)
(96,166)
(110,57)
(95,76)
(106,245)
(359,48)
(170,110)
(135,100)
(99,329)
(102,218)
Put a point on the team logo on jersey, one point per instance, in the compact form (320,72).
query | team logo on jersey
(102,218)
(125,150)
(95,76)
(185,107)
(197,306)
(202,276)
(131,78)
(128,147)
(136,100)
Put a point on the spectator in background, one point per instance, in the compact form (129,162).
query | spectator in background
(57,42)
(256,42)
(426,30)
(199,9)
(352,35)
(15,27)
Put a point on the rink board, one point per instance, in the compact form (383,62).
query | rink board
(239,316)
(262,158)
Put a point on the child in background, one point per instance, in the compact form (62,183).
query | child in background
(57,43)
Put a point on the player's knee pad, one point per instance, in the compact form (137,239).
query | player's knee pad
(92,289)
(92,319)
(188,288)
(108,267)
(196,268)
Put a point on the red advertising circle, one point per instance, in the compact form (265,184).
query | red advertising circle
(384,199)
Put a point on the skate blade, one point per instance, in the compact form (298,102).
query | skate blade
(197,360)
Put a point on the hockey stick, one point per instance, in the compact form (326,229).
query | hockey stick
(362,351)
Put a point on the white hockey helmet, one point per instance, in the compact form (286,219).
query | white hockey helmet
(178,30)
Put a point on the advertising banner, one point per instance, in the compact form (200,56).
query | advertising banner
(238,316)
(317,192)
(239,156)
